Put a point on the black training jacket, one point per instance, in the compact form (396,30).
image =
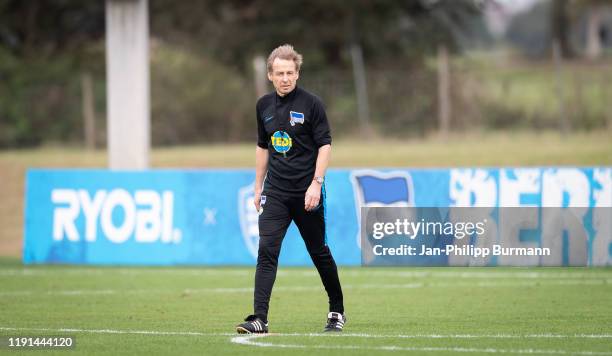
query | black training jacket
(291,128)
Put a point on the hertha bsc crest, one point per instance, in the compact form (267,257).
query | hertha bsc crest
(296,118)
(375,188)
(248,219)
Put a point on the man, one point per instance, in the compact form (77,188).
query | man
(292,154)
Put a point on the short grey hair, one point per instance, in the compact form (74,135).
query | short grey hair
(286,52)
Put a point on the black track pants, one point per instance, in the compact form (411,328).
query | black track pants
(273,223)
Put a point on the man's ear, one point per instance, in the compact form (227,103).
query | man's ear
(269,76)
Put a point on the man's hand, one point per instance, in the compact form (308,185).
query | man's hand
(257,199)
(313,196)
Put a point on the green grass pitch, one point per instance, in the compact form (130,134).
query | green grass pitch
(193,310)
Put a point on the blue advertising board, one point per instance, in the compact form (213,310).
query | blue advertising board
(206,217)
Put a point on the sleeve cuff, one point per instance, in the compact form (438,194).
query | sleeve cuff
(323,143)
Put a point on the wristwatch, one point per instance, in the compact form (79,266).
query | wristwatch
(319,180)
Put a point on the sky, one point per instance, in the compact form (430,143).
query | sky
(515,6)
(499,15)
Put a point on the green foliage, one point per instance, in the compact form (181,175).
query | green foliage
(236,30)
(201,75)
(205,93)
(45,28)
(39,100)
(44,47)
(401,102)
(533,95)
(195,99)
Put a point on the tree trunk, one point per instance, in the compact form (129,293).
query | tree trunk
(593,47)
(564,123)
(259,76)
(561,26)
(363,108)
(89,116)
(444,102)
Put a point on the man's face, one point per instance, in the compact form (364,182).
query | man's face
(283,76)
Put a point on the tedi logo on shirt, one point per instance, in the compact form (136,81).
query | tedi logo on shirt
(281,141)
(296,117)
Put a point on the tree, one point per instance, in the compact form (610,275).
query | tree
(236,30)
(593,10)
(560,25)
(44,28)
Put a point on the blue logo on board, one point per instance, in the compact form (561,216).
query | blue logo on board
(375,188)
(249,218)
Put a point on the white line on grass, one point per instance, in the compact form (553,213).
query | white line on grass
(340,335)
(309,288)
(103,271)
(111,331)
(250,341)
(453,336)
(475,274)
